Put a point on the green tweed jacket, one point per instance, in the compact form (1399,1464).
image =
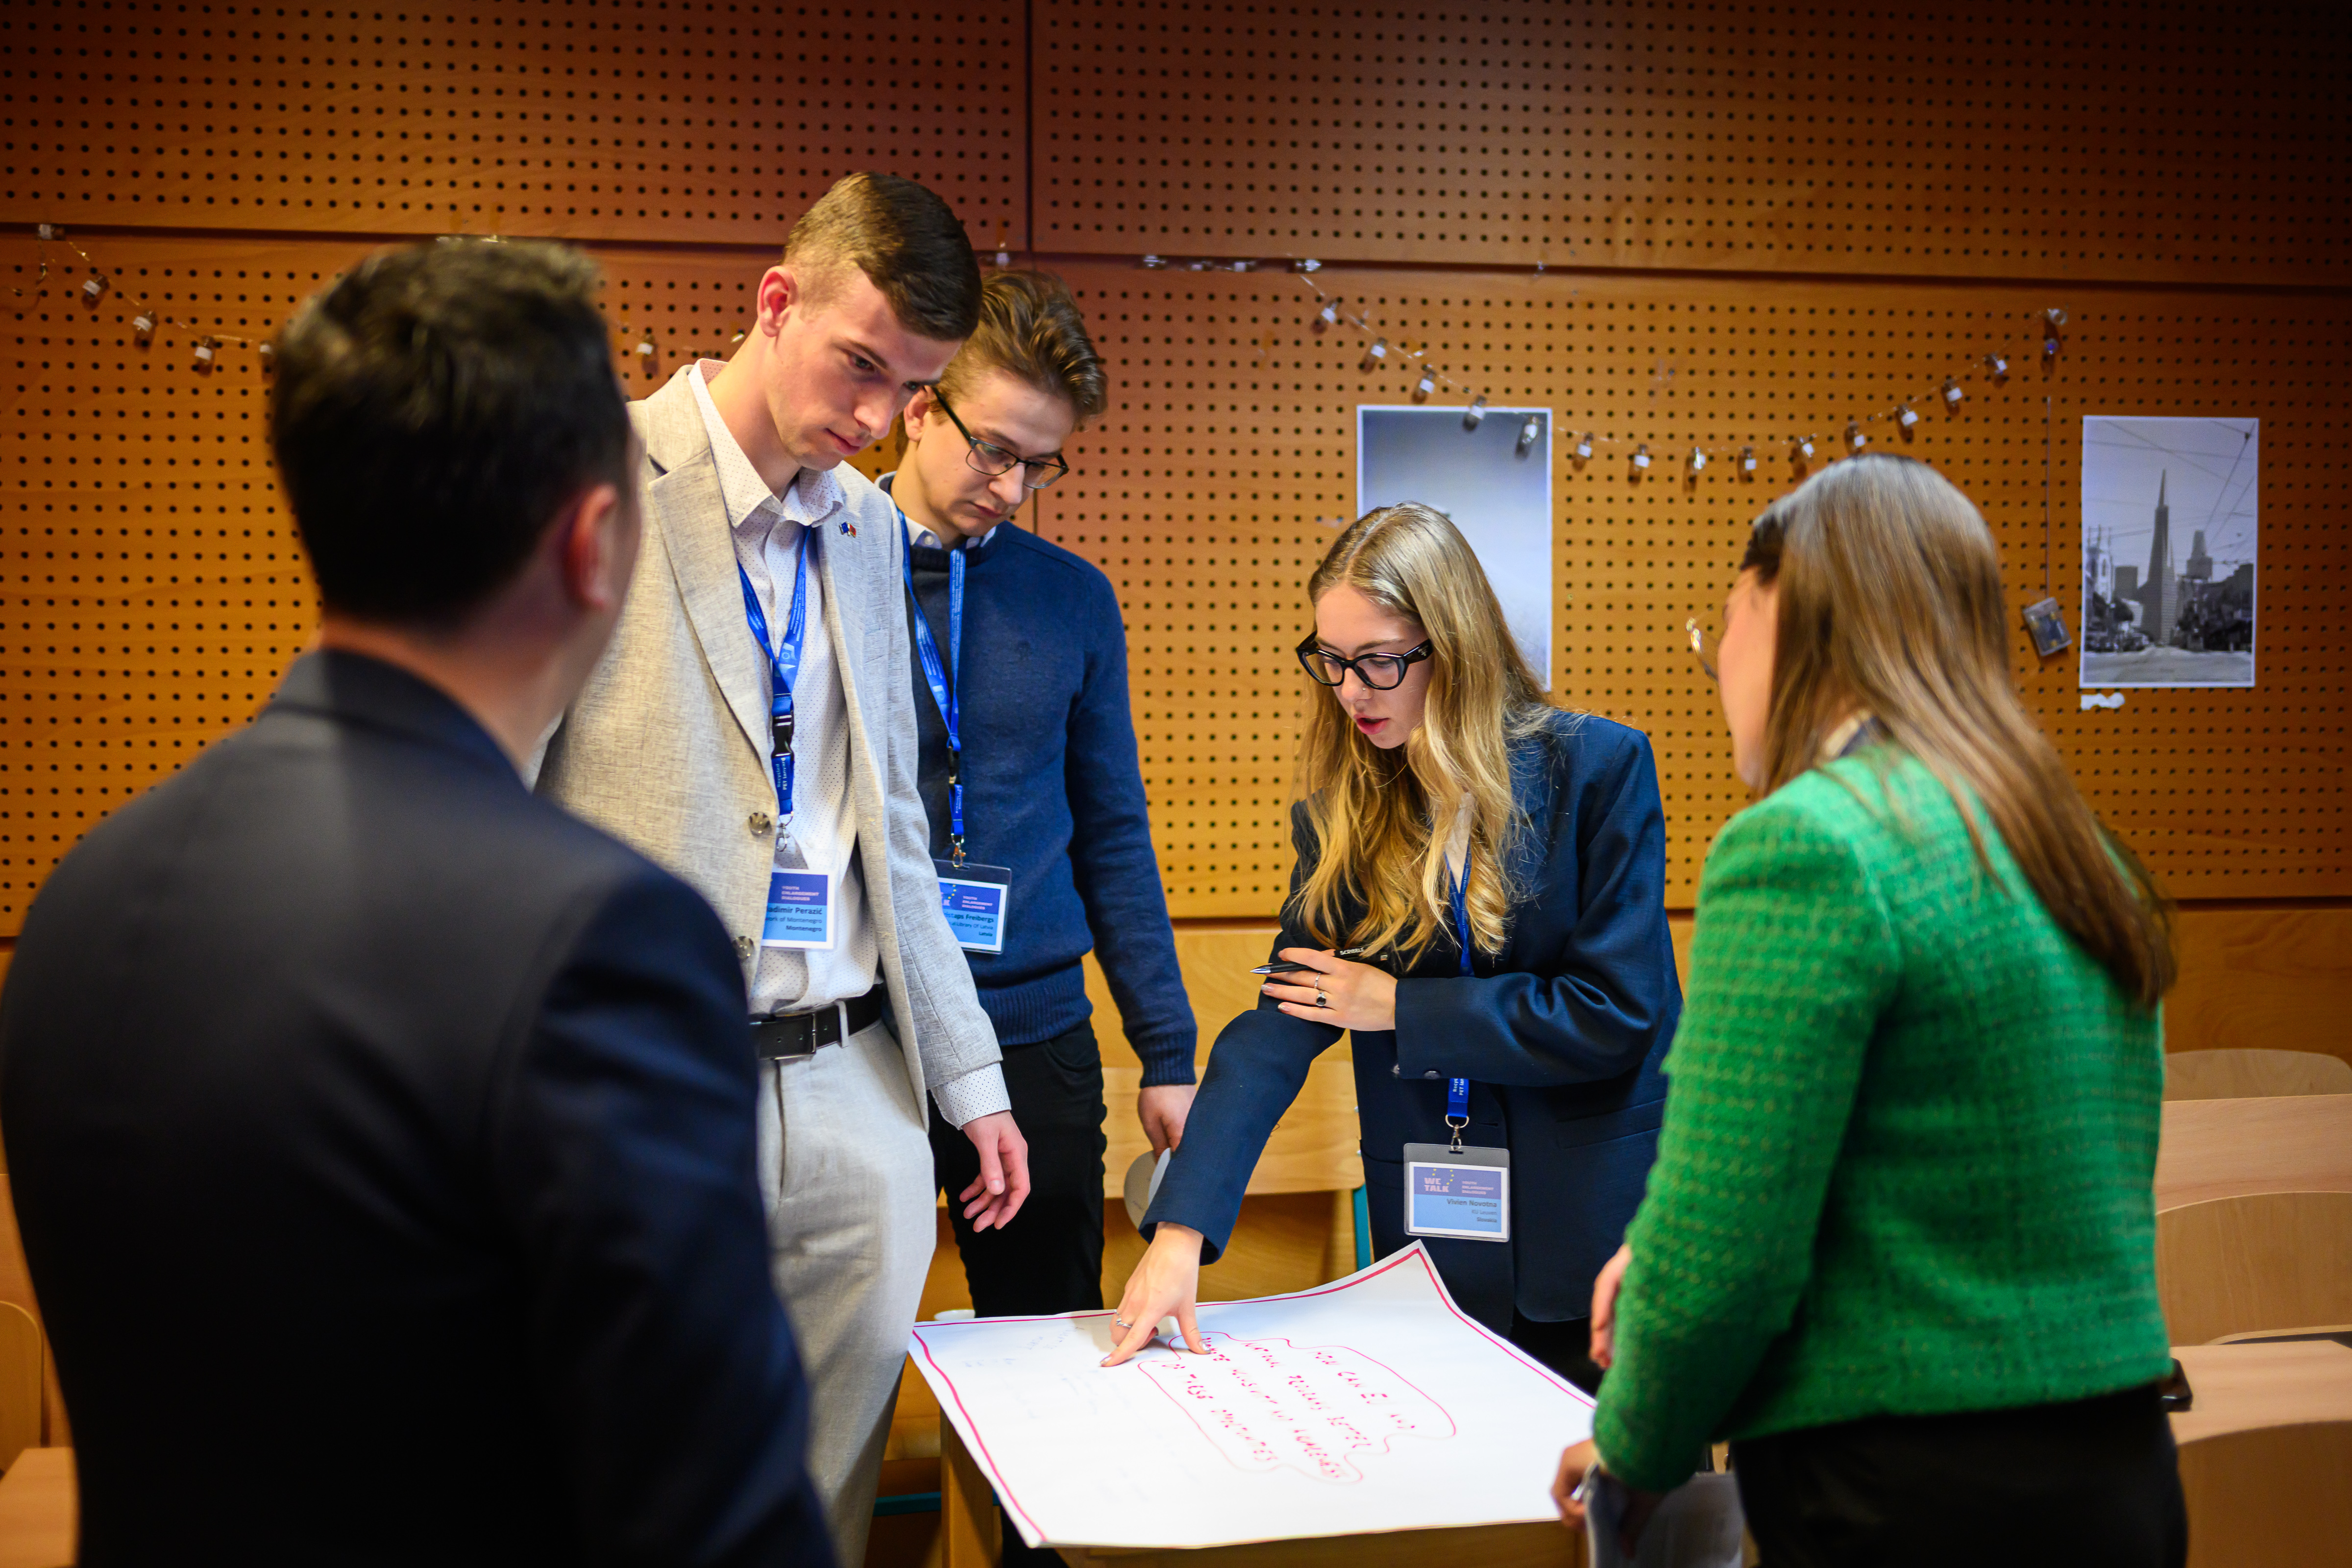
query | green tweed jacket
(1909,1144)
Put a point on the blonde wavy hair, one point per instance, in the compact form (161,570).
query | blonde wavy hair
(1383,817)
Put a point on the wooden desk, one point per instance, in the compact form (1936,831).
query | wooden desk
(2262,1383)
(2222,1148)
(970,1532)
(2265,1451)
(40,1509)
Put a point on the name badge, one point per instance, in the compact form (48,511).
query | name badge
(972,897)
(800,910)
(1464,1194)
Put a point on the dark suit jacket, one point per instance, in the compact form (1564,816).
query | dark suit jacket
(383,1140)
(1562,1036)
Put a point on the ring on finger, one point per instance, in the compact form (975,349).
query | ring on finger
(1122,1322)
(1320,999)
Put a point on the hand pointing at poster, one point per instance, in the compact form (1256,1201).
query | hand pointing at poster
(1168,1281)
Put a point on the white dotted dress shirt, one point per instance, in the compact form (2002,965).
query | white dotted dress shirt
(822,833)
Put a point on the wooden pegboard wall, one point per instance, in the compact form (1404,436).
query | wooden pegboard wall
(2148,141)
(151,588)
(1228,456)
(153,592)
(155,589)
(695,121)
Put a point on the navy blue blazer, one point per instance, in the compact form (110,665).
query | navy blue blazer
(383,1143)
(1562,1036)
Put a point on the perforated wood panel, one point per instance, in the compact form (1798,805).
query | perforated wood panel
(701,122)
(150,590)
(2107,140)
(1228,458)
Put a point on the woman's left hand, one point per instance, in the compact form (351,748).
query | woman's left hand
(1603,1348)
(1639,1505)
(1356,995)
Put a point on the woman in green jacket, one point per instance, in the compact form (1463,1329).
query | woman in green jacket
(1899,1245)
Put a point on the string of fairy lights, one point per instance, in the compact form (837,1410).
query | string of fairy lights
(1945,385)
(148,321)
(1942,386)
(151,322)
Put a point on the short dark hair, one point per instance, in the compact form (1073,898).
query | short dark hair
(1030,328)
(906,241)
(434,411)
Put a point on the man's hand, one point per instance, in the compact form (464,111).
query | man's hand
(1161,1108)
(996,1194)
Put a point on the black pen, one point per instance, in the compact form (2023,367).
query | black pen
(1287,967)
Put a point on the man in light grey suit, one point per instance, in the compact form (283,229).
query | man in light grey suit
(751,729)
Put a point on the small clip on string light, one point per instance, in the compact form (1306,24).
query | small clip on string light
(1804,448)
(1425,385)
(1375,354)
(1952,394)
(1330,314)
(1854,439)
(1584,448)
(1698,461)
(1641,457)
(1747,460)
(1473,415)
(1527,434)
(1905,414)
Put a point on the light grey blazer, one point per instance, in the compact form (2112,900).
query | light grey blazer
(667,746)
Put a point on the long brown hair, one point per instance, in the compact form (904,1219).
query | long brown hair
(1382,818)
(1890,601)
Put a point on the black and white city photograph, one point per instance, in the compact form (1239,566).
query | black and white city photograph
(2168,535)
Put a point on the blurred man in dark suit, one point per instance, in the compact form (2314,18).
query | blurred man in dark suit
(383,1137)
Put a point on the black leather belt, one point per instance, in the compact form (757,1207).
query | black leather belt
(790,1037)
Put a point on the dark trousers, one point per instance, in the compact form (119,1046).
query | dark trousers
(2090,1484)
(1049,1258)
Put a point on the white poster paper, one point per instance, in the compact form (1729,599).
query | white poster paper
(2169,528)
(1367,1405)
(1497,492)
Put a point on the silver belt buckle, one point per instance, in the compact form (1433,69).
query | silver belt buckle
(808,1021)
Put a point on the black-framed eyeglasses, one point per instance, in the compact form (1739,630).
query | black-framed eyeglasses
(991,459)
(1380,672)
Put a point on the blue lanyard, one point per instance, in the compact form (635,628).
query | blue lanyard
(1457,1089)
(783,669)
(1460,892)
(940,677)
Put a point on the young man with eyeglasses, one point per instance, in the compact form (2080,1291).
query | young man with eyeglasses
(1029,773)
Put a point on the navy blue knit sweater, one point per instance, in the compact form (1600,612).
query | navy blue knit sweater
(1052,790)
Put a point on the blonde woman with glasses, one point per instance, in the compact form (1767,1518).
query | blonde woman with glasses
(1479,901)
(1900,1244)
